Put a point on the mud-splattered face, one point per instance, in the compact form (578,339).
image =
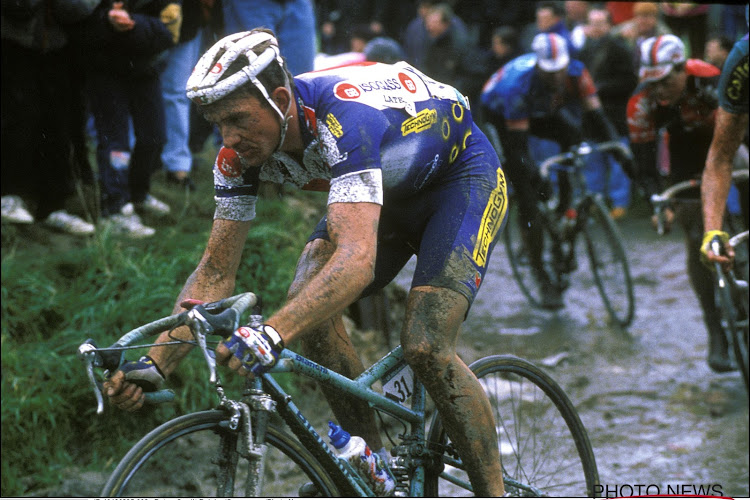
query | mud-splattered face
(247,126)
(668,90)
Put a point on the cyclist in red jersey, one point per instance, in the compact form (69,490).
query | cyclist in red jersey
(675,95)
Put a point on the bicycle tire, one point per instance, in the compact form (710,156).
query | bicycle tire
(520,265)
(540,435)
(740,345)
(736,332)
(608,261)
(191,440)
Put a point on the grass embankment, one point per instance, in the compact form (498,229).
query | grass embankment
(58,291)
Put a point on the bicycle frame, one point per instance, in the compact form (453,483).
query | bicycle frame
(390,365)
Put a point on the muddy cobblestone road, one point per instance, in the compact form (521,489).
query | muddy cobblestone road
(655,413)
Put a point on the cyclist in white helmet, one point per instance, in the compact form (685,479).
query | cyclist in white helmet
(408,172)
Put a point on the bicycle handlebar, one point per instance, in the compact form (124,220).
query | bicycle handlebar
(738,239)
(568,159)
(205,319)
(660,200)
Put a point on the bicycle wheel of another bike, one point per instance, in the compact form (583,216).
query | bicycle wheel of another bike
(735,327)
(609,263)
(518,255)
(180,457)
(544,447)
(742,270)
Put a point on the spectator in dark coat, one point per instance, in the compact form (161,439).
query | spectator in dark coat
(39,100)
(446,45)
(124,48)
(417,40)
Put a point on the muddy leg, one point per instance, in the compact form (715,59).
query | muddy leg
(329,345)
(433,318)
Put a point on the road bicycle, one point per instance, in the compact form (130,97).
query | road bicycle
(566,222)
(731,286)
(544,446)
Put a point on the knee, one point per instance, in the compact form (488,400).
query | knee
(427,360)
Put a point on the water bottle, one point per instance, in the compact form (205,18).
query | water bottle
(370,465)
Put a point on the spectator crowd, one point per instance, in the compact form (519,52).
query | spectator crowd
(115,72)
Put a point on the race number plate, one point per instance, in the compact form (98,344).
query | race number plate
(399,385)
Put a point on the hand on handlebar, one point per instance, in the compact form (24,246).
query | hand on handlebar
(709,257)
(127,387)
(662,221)
(251,350)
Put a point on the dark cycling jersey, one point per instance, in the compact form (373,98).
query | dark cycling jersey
(387,134)
(689,123)
(733,88)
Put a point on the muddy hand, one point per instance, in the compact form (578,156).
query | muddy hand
(123,394)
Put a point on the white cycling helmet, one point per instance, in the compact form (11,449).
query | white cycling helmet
(206,85)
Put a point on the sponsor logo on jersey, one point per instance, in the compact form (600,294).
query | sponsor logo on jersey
(334,126)
(389,84)
(492,219)
(423,121)
(407,83)
(347,91)
(737,87)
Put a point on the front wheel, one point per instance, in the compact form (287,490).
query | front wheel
(196,456)
(735,326)
(517,247)
(544,447)
(609,263)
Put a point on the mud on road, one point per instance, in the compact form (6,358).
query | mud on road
(655,413)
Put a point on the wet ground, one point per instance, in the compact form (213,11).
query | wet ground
(655,413)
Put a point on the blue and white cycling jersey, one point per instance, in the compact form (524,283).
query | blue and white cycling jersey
(388,134)
(370,129)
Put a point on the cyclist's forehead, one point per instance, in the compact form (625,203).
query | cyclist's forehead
(232,106)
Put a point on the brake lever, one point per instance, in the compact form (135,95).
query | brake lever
(659,203)
(200,326)
(88,354)
(716,248)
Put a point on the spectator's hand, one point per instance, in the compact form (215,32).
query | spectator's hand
(125,389)
(708,257)
(171,16)
(119,18)
(250,351)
